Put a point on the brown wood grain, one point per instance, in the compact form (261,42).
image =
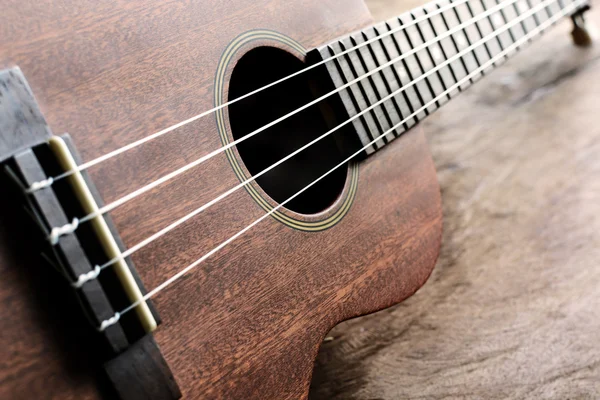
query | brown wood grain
(248,322)
(512,310)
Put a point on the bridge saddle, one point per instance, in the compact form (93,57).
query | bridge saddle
(31,156)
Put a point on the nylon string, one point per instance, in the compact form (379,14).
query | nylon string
(524,39)
(119,202)
(172,128)
(202,208)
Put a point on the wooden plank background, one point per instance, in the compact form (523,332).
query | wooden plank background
(513,307)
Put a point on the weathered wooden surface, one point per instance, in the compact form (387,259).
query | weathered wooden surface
(513,307)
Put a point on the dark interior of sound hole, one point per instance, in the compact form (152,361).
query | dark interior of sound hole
(260,67)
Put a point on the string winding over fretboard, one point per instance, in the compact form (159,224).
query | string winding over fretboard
(433,37)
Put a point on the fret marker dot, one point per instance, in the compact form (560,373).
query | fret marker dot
(461,41)
(436,54)
(522,6)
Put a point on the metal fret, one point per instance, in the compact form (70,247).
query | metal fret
(513,31)
(496,21)
(411,64)
(346,71)
(410,95)
(472,34)
(385,111)
(423,59)
(459,41)
(485,28)
(434,55)
(389,81)
(440,26)
(433,59)
(511,14)
(553,8)
(539,16)
(366,88)
(335,72)
(529,23)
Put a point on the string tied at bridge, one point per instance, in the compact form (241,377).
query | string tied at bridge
(123,149)
(144,189)
(88,276)
(59,231)
(480,69)
(35,186)
(109,322)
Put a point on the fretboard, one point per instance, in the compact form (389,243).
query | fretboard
(433,53)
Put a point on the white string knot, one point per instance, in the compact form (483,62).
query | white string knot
(88,276)
(108,322)
(59,231)
(35,186)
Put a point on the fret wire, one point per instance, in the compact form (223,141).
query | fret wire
(550,9)
(499,38)
(362,94)
(558,7)
(466,60)
(369,122)
(510,30)
(407,94)
(409,75)
(530,22)
(433,82)
(535,15)
(482,33)
(376,83)
(494,28)
(457,68)
(390,84)
(480,54)
(344,65)
(188,268)
(453,44)
(499,20)
(394,82)
(384,82)
(514,13)
(516,31)
(425,91)
(143,140)
(351,103)
(445,75)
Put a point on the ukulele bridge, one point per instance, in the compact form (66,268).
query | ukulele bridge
(87,251)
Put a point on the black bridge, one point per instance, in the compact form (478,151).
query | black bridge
(132,361)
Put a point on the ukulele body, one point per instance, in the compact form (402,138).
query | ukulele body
(248,322)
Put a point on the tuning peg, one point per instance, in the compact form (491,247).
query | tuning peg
(582,32)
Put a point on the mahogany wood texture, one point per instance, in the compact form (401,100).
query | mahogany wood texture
(248,322)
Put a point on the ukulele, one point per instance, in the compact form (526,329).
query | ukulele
(195,193)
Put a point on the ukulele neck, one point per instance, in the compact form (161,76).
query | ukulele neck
(409,66)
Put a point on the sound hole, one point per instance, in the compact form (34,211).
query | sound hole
(260,67)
